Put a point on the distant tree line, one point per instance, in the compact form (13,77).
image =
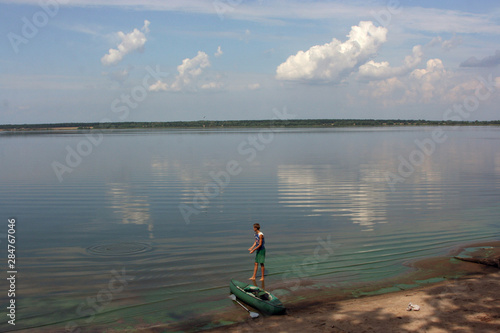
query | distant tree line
(251,123)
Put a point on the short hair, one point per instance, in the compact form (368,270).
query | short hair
(256,225)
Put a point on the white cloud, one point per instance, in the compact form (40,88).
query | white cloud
(430,81)
(189,70)
(188,73)
(382,70)
(334,61)
(158,86)
(213,85)
(145,28)
(392,87)
(219,52)
(432,84)
(130,42)
(434,68)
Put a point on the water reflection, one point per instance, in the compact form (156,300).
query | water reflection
(497,163)
(329,191)
(131,209)
(165,168)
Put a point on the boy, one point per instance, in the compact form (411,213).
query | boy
(260,256)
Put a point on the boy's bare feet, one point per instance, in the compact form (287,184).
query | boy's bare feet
(252,278)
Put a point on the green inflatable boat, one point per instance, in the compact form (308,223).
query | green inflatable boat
(257,297)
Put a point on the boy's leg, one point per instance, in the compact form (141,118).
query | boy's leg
(255,268)
(262,270)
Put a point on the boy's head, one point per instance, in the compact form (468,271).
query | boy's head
(256,226)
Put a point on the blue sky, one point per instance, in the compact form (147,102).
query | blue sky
(95,60)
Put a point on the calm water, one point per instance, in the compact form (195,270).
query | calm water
(107,245)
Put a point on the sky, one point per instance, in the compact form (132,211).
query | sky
(182,60)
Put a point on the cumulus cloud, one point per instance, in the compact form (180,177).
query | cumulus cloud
(133,41)
(188,73)
(430,84)
(429,81)
(334,61)
(434,68)
(219,52)
(190,69)
(389,87)
(383,70)
(490,61)
(158,86)
(433,84)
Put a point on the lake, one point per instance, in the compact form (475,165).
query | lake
(136,228)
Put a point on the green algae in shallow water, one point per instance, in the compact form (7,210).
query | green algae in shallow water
(469,251)
(431,280)
(376,292)
(404,286)
(217,324)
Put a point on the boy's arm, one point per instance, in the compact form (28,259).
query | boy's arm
(251,247)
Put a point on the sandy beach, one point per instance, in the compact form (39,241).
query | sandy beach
(470,303)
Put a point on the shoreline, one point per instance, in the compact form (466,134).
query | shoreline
(454,296)
(468,304)
(263,123)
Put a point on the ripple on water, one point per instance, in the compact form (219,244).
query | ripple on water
(119,249)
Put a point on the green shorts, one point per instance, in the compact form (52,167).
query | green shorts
(260,256)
